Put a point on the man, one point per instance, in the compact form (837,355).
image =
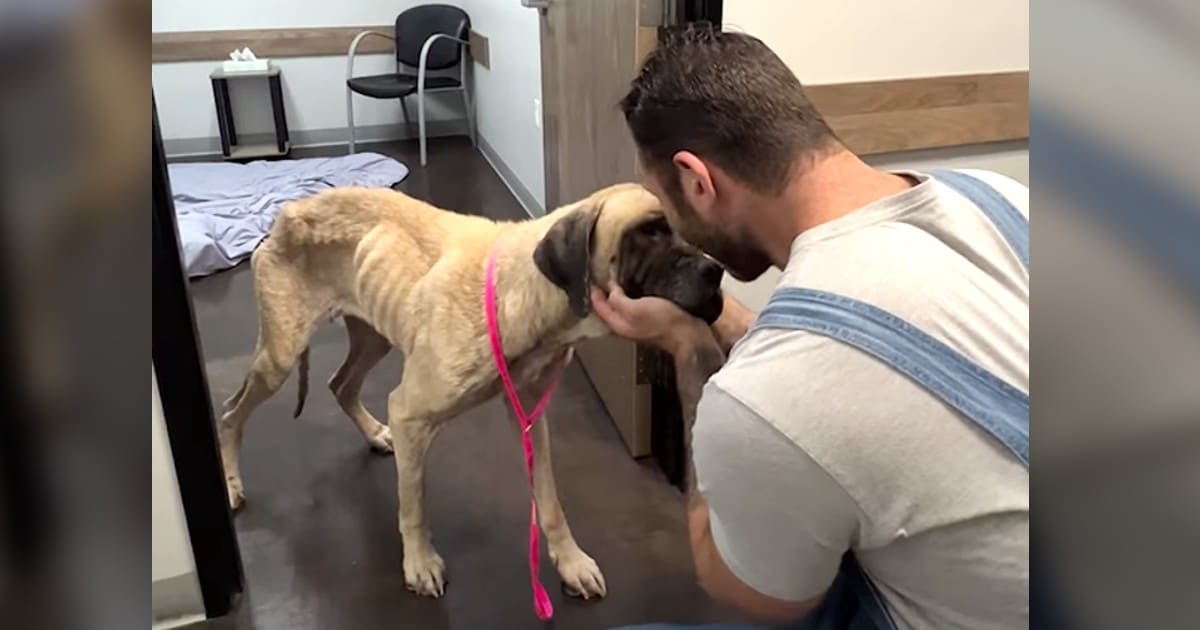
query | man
(804,446)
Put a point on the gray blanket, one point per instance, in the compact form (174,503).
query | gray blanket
(224,210)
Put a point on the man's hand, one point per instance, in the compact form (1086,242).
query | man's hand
(650,320)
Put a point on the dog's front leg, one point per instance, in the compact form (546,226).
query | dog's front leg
(580,575)
(424,570)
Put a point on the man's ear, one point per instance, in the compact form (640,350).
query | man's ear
(695,182)
(564,256)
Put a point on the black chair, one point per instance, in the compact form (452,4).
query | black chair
(427,37)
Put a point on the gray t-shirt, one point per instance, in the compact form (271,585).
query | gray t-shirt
(805,447)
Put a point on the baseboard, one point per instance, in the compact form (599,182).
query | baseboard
(189,622)
(176,600)
(190,147)
(510,179)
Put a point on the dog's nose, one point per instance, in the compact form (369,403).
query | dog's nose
(711,271)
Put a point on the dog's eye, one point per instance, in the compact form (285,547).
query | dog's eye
(655,228)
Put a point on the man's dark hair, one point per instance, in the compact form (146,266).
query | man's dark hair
(727,98)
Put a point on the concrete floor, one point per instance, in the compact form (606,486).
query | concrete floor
(318,534)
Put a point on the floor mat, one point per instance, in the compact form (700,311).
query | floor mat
(225,210)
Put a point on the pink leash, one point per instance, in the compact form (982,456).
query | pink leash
(541,601)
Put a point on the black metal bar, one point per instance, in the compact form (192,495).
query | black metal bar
(183,391)
(228,108)
(701,11)
(228,112)
(26,509)
(281,130)
(221,122)
(668,440)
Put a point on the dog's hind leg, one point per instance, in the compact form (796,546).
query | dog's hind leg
(284,330)
(264,378)
(367,348)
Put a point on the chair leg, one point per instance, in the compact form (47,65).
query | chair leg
(469,104)
(421,121)
(350,117)
(404,110)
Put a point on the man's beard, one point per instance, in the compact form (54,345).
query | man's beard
(741,257)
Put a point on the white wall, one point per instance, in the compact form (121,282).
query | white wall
(314,87)
(507,90)
(172,563)
(213,15)
(875,40)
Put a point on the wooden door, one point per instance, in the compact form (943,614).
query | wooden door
(590,52)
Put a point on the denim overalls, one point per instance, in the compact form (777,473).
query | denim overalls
(852,601)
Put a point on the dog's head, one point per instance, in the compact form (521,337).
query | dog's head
(622,229)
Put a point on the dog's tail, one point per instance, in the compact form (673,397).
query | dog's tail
(303,389)
(233,400)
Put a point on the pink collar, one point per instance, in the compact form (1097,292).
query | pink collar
(541,601)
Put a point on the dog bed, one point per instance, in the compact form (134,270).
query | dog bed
(225,210)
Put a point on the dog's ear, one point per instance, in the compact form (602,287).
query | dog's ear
(564,256)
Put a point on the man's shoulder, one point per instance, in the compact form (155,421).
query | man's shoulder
(1013,190)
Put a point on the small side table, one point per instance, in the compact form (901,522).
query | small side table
(229,141)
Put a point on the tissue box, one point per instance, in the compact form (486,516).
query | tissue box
(254,65)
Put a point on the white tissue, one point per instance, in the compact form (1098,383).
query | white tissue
(245,54)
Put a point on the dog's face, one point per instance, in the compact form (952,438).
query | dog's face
(654,261)
(622,230)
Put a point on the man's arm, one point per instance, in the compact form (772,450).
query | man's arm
(698,355)
(733,323)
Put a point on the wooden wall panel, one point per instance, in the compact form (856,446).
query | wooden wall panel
(480,49)
(884,116)
(271,43)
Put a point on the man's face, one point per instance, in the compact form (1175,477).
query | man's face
(737,252)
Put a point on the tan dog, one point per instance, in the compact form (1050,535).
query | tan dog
(405,274)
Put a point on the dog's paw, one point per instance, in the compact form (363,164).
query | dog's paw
(381,440)
(424,573)
(237,497)
(581,576)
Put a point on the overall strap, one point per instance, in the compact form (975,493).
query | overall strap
(995,406)
(852,601)
(1013,225)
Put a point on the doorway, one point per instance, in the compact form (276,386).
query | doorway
(317,539)
(588,147)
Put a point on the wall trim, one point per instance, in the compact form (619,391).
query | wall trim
(176,600)
(267,43)
(957,152)
(510,179)
(169,46)
(875,117)
(205,146)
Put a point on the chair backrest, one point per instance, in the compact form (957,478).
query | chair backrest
(415,25)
